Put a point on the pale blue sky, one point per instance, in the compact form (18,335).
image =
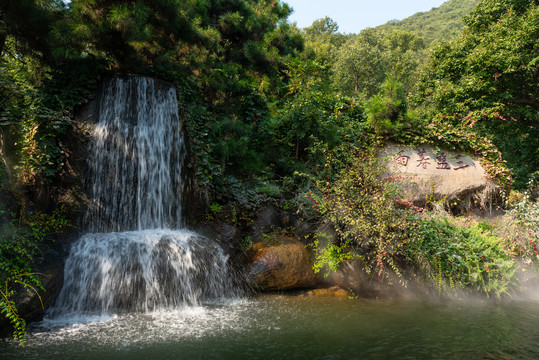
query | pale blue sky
(352,16)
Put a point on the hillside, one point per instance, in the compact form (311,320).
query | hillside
(441,23)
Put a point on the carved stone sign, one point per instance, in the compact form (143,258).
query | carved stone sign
(424,159)
(432,172)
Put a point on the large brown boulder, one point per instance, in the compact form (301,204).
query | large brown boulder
(334,291)
(432,174)
(282,264)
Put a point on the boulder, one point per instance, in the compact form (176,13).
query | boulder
(282,264)
(52,279)
(427,174)
(334,291)
(30,305)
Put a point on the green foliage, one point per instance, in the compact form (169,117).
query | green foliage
(229,189)
(310,117)
(20,242)
(439,24)
(17,251)
(215,208)
(490,71)
(30,22)
(520,151)
(389,235)
(229,54)
(362,211)
(42,225)
(362,63)
(520,230)
(246,244)
(458,258)
(41,154)
(330,256)
(271,190)
(487,78)
(387,110)
(36,105)
(322,39)
(132,33)
(306,111)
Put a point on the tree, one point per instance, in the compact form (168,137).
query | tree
(29,22)
(323,40)
(311,118)
(387,110)
(361,64)
(406,53)
(364,60)
(133,33)
(492,70)
(240,74)
(488,79)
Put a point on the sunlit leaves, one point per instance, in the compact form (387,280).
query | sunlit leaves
(362,63)
(489,76)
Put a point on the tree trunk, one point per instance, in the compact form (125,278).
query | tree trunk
(3,156)
(3,36)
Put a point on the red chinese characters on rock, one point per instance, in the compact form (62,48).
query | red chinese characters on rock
(401,159)
(423,158)
(460,164)
(441,162)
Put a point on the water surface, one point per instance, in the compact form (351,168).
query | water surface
(271,327)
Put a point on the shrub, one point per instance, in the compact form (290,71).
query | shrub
(386,233)
(20,242)
(17,252)
(361,208)
(455,258)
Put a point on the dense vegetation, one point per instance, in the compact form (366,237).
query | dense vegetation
(442,23)
(296,114)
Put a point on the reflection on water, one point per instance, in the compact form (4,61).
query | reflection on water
(296,328)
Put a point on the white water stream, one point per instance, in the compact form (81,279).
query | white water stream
(135,256)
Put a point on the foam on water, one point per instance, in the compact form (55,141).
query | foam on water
(141,271)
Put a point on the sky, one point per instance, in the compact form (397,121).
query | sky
(352,16)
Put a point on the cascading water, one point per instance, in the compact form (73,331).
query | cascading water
(131,260)
(134,168)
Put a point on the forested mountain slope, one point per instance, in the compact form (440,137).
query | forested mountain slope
(441,23)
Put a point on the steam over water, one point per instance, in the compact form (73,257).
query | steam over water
(272,327)
(133,259)
(134,284)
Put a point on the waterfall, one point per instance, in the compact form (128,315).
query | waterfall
(134,167)
(135,255)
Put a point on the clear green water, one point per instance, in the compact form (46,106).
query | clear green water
(275,327)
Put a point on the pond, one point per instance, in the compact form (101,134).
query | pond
(270,327)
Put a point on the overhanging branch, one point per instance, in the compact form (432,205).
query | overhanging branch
(525,122)
(531,102)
